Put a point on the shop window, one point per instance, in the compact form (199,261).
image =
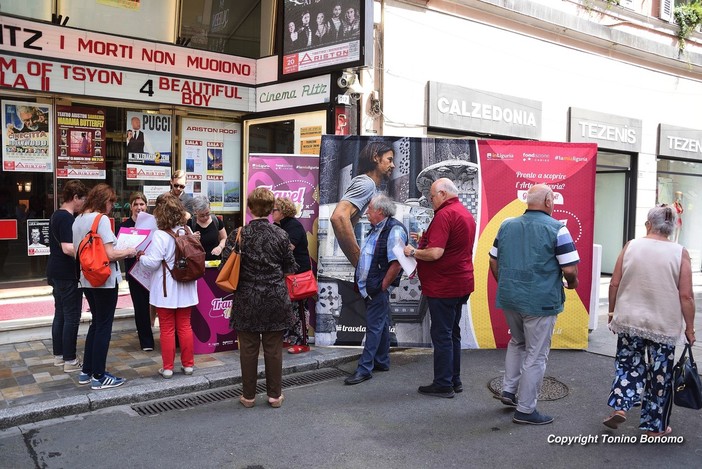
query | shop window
(139,19)
(679,185)
(235,27)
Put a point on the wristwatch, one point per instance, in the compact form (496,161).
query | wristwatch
(412,252)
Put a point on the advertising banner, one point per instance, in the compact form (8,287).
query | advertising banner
(26,137)
(80,142)
(508,169)
(326,33)
(210,154)
(492,178)
(295,177)
(148,143)
(37,237)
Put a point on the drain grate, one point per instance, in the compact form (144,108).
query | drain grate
(551,388)
(209,397)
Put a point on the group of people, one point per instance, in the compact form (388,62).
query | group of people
(170,300)
(329,27)
(533,260)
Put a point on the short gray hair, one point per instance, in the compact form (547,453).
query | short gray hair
(385,204)
(197,204)
(662,220)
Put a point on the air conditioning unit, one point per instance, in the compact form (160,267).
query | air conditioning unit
(665,11)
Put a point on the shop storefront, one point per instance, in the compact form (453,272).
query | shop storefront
(618,141)
(680,185)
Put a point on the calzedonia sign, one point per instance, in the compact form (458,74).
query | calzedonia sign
(471,110)
(679,142)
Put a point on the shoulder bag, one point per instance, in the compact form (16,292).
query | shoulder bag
(687,389)
(301,286)
(228,277)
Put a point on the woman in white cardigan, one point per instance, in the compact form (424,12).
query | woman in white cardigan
(173,306)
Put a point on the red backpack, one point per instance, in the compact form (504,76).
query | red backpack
(92,256)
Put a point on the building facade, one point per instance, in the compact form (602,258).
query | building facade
(211,82)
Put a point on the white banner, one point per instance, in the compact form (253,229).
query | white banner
(48,40)
(211,156)
(38,75)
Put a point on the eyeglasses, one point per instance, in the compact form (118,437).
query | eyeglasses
(203,215)
(275,210)
(178,186)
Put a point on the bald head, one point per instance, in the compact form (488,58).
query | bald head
(441,190)
(540,197)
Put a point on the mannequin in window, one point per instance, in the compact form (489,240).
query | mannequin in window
(679,210)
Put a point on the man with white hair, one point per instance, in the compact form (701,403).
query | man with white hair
(530,257)
(378,271)
(445,268)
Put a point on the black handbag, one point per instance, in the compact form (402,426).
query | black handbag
(687,388)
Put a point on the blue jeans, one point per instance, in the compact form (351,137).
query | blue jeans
(377,346)
(68,302)
(103,302)
(446,337)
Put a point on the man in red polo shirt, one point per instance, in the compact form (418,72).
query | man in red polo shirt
(445,267)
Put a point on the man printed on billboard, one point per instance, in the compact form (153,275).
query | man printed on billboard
(376,163)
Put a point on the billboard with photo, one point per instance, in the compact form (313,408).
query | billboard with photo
(492,178)
(324,35)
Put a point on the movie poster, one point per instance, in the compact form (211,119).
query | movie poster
(26,137)
(210,155)
(37,237)
(80,142)
(148,142)
(491,186)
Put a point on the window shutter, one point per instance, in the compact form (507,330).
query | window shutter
(666,10)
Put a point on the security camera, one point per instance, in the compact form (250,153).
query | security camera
(355,90)
(346,79)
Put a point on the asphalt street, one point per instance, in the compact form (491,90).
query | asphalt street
(382,422)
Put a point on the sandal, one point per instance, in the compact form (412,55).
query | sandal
(617,418)
(275,403)
(299,349)
(666,432)
(248,403)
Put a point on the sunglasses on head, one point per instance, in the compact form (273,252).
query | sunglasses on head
(179,186)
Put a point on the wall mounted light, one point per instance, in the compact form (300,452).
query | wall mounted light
(28,186)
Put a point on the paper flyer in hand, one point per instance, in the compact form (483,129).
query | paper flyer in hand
(132,238)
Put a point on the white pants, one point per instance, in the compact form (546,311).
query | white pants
(527,354)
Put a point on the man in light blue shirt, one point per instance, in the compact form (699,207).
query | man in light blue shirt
(377,272)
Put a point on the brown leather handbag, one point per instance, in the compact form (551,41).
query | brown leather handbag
(228,278)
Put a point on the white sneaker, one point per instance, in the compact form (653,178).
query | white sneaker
(58,360)
(188,370)
(72,365)
(167,374)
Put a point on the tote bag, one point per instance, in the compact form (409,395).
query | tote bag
(228,278)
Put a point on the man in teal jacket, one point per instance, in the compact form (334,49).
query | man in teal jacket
(530,257)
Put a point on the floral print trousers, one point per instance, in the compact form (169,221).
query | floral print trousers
(643,374)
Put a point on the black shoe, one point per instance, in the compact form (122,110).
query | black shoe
(437,391)
(458,388)
(379,367)
(533,418)
(507,398)
(357,377)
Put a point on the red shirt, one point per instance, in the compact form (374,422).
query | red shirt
(453,229)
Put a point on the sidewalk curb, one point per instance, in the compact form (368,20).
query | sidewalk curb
(147,389)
